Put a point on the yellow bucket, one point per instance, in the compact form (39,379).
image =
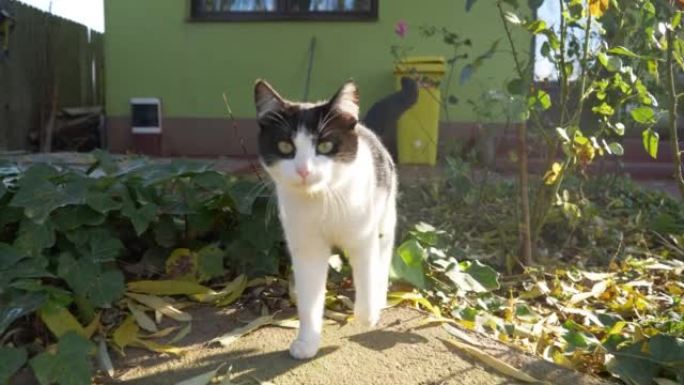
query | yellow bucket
(418,128)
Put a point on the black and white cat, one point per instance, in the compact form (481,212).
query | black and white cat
(336,186)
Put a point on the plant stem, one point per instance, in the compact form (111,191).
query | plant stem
(585,65)
(523,174)
(672,94)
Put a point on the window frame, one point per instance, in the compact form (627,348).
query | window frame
(282,13)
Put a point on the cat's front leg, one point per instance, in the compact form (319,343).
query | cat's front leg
(310,264)
(367,268)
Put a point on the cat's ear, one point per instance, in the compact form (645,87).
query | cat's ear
(346,101)
(267,99)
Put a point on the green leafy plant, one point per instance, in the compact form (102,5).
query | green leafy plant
(70,238)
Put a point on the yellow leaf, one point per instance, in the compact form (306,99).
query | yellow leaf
(337,316)
(156,347)
(202,379)
(228,338)
(181,334)
(126,333)
(494,362)
(93,326)
(168,287)
(143,320)
(182,264)
(59,320)
(229,294)
(552,175)
(598,7)
(161,306)
(162,333)
(416,299)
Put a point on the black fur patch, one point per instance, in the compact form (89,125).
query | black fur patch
(321,121)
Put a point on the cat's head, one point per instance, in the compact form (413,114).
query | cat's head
(307,147)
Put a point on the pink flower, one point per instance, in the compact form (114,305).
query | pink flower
(401,28)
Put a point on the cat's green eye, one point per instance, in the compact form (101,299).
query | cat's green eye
(285,148)
(324,147)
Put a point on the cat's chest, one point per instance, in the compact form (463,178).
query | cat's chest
(329,216)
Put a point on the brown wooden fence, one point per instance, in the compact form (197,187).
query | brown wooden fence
(52,63)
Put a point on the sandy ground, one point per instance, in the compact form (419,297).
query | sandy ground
(399,351)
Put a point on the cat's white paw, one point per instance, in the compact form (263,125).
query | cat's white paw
(303,350)
(367,319)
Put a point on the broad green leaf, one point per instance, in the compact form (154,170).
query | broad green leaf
(102,202)
(650,140)
(72,217)
(483,274)
(11,360)
(18,307)
(168,287)
(165,233)
(89,280)
(407,263)
(39,197)
(604,109)
(616,149)
(643,115)
(103,246)
(69,366)
(140,217)
(104,161)
(611,63)
(210,260)
(33,237)
(635,364)
(541,99)
(10,255)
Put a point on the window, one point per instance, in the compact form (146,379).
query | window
(313,10)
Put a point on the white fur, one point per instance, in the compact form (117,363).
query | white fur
(338,205)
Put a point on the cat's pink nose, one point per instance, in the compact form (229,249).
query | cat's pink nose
(303,172)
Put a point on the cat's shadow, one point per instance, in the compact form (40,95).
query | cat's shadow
(385,339)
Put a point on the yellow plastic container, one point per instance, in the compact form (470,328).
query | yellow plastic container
(418,128)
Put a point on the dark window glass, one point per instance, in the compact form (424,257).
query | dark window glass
(314,10)
(145,115)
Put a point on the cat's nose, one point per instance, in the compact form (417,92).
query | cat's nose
(303,172)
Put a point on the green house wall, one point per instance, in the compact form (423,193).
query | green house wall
(153,50)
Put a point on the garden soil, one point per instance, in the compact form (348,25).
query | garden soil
(401,350)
